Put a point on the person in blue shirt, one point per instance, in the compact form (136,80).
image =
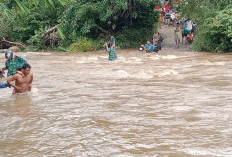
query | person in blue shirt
(3,85)
(148,47)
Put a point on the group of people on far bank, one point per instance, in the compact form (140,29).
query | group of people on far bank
(184,28)
(18,75)
(184,31)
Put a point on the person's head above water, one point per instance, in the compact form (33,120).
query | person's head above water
(8,54)
(26,69)
(19,68)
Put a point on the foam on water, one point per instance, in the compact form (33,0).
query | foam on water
(104,57)
(208,152)
(166,73)
(214,63)
(156,57)
(38,53)
(143,74)
(121,59)
(87,59)
(35,91)
(135,60)
(169,57)
(122,74)
(140,75)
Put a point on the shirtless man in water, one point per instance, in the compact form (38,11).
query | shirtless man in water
(22,80)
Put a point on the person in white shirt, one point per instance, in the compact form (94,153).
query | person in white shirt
(189,25)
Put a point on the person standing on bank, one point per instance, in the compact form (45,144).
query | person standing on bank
(110,47)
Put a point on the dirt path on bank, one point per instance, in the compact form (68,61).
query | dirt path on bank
(167,33)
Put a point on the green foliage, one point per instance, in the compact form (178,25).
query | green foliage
(23,28)
(24,20)
(215,34)
(25,6)
(133,38)
(214,21)
(35,42)
(82,45)
(93,18)
(99,44)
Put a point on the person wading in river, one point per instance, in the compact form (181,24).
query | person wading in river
(148,47)
(12,63)
(22,81)
(4,85)
(110,47)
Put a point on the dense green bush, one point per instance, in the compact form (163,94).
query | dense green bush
(131,22)
(215,34)
(99,44)
(23,27)
(35,42)
(133,38)
(214,21)
(82,45)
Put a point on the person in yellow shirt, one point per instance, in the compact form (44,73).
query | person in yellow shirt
(177,34)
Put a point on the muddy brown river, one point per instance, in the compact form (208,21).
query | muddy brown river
(172,104)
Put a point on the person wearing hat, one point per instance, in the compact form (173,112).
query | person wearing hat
(12,63)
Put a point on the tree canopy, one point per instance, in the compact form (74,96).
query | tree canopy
(25,20)
(214,23)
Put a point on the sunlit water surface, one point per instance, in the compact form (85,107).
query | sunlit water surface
(170,104)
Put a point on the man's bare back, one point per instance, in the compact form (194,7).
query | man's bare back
(22,80)
(24,83)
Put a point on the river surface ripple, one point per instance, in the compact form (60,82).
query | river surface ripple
(170,104)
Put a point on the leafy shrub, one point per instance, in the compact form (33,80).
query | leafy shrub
(82,45)
(215,34)
(35,42)
(126,20)
(99,44)
(133,38)
(214,22)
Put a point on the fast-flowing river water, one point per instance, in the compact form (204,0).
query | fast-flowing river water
(176,104)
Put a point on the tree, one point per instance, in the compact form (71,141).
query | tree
(26,20)
(24,6)
(214,23)
(92,18)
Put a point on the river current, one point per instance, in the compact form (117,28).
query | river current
(172,104)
